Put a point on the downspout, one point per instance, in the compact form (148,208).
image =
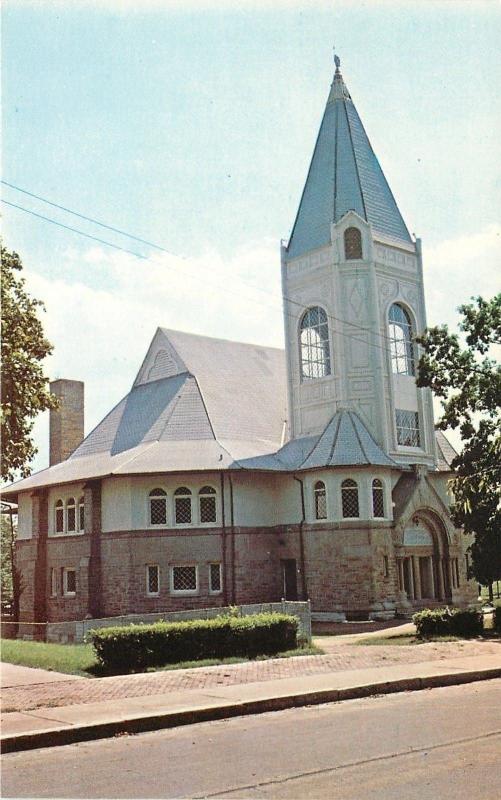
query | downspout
(223,543)
(233,559)
(304,585)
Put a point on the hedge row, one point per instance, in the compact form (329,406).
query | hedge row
(447,622)
(136,647)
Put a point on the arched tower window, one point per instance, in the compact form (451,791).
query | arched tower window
(349,498)
(158,507)
(401,346)
(182,505)
(320,500)
(59,517)
(314,344)
(207,504)
(71,516)
(377,498)
(352,244)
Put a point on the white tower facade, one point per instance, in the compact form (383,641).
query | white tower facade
(353,296)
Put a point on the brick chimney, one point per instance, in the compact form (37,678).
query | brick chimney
(66,426)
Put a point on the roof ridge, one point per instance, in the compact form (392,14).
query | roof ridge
(354,413)
(353,149)
(339,414)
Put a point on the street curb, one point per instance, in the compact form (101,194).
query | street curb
(173,719)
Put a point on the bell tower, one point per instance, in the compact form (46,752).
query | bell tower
(353,295)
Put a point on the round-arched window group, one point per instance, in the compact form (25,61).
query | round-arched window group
(350,505)
(188,507)
(69,516)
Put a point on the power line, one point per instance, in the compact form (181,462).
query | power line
(74,230)
(364,329)
(332,317)
(90,219)
(350,336)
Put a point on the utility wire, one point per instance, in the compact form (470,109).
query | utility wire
(74,230)
(169,252)
(384,337)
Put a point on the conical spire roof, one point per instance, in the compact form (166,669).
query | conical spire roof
(344,175)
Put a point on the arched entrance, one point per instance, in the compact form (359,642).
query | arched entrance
(424,565)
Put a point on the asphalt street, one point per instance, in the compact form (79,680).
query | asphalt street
(442,743)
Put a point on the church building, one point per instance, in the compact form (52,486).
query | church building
(233,473)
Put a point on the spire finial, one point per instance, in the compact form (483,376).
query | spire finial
(337,61)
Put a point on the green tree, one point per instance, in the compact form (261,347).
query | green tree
(467,378)
(25,392)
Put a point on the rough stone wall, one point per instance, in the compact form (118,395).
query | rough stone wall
(72,552)
(67,421)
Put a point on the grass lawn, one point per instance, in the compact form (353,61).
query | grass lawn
(80,659)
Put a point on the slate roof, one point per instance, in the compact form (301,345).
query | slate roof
(445,452)
(344,175)
(200,404)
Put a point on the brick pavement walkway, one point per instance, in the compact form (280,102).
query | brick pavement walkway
(341,656)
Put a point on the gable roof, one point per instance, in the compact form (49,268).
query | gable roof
(445,452)
(344,175)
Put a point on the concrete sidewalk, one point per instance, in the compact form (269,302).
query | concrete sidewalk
(51,726)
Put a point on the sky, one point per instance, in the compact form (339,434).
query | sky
(191,125)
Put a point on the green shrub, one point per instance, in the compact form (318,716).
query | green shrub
(136,647)
(447,622)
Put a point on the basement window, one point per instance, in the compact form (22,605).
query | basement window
(215,579)
(184,579)
(69,582)
(152,580)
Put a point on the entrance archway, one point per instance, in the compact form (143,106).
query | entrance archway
(424,566)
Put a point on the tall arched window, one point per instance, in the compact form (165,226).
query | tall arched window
(401,346)
(59,517)
(377,498)
(158,507)
(81,514)
(182,505)
(352,244)
(71,515)
(314,344)
(320,500)
(349,498)
(207,504)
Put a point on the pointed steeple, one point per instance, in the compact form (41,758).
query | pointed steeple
(344,175)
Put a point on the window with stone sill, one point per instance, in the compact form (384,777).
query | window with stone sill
(71,516)
(59,517)
(152,580)
(215,578)
(314,344)
(81,515)
(377,498)
(320,500)
(349,499)
(401,344)
(69,582)
(207,504)
(407,423)
(352,244)
(184,579)
(158,507)
(53,582)
(182,506)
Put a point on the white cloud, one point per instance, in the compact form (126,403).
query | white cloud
(457,269)
(100,335)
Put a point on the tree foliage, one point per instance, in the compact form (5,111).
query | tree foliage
(25,392)
(467,378)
